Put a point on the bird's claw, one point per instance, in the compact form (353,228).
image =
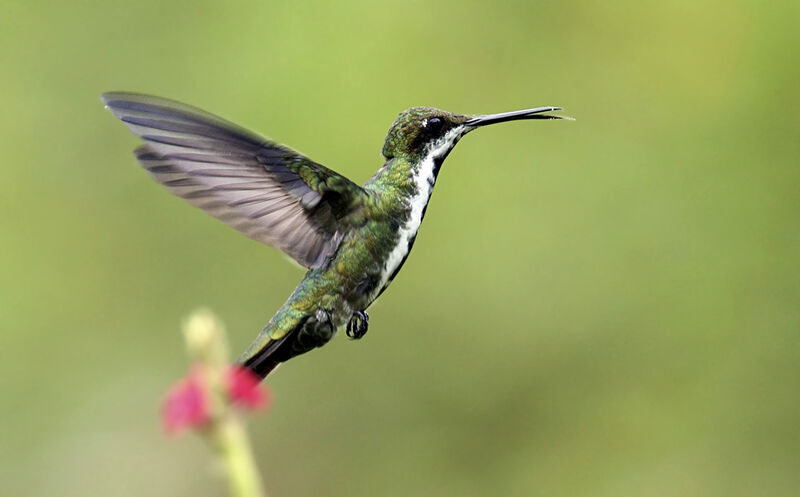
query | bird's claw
(358,325)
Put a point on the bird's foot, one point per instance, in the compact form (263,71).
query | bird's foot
(315,332)
(358,325)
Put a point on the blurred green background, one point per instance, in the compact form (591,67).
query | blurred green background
(606,307)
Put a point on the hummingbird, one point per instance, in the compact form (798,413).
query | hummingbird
(352,239)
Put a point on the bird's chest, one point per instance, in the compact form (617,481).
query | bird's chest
(406,225)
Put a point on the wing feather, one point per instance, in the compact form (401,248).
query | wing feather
(264,190)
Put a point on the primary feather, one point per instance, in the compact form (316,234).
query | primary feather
(267,191)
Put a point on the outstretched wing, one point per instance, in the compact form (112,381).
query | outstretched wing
(267,191)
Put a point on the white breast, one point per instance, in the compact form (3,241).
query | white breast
(424,179)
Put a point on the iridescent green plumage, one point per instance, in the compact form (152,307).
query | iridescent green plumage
(353,239)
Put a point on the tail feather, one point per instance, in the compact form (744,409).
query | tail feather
(263,358)
(305,332)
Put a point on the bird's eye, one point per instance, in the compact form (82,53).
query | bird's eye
(434,124)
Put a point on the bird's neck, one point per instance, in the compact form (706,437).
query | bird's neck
(405,170)
(402,181)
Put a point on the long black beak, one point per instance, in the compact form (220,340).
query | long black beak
(516,115)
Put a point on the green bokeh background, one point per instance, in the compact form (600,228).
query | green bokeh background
(606,307)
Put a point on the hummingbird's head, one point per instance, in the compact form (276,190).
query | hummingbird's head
(417,130)
(420,132)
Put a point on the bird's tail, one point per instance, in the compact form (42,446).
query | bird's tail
(267,350)
(288,335)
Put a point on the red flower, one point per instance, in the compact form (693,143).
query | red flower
(243,390)
(188,402)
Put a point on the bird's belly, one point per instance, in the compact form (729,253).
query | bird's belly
(342,314)
(406,236)
(397,257)
(365,270)
(407,233)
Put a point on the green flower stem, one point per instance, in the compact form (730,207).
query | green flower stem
(229,438)
(208,348)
